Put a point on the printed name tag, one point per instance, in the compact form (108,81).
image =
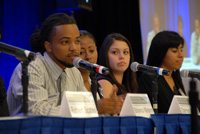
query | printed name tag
(136,105)
(78,104)
(179,105)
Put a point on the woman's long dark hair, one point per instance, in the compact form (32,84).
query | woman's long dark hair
(129,82)
(38,38)
(159,47)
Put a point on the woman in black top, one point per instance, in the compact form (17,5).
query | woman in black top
(3,101)
(166,52)
(116,54)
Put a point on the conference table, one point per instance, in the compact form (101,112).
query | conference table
(158,123)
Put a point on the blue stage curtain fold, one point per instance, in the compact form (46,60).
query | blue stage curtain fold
(111,125)
(74,125)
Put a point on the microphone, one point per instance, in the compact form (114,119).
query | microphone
(187,73)
(135,66)
(20,54)
(78,62)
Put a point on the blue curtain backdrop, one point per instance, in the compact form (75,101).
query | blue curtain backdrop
(18,19)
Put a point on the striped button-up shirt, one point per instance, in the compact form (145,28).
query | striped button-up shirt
(43,92)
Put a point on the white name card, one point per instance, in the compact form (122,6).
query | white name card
(137,105)
(179,105)
(78,104)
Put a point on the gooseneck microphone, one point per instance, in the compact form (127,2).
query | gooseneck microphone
(135,66)
(20,54)
(188,73)
(25,57)
(78,62)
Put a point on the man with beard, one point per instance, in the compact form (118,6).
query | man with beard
(52,72)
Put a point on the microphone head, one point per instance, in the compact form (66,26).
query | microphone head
(134,66)
(105,71)
(184,73)
(76,62)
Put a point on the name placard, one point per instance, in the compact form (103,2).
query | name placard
(179,105)
(78,104)
(137,105)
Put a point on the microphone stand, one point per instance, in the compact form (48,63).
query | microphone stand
(25,58)
(155,93)
(94,86)
(25,82)
(193,99)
